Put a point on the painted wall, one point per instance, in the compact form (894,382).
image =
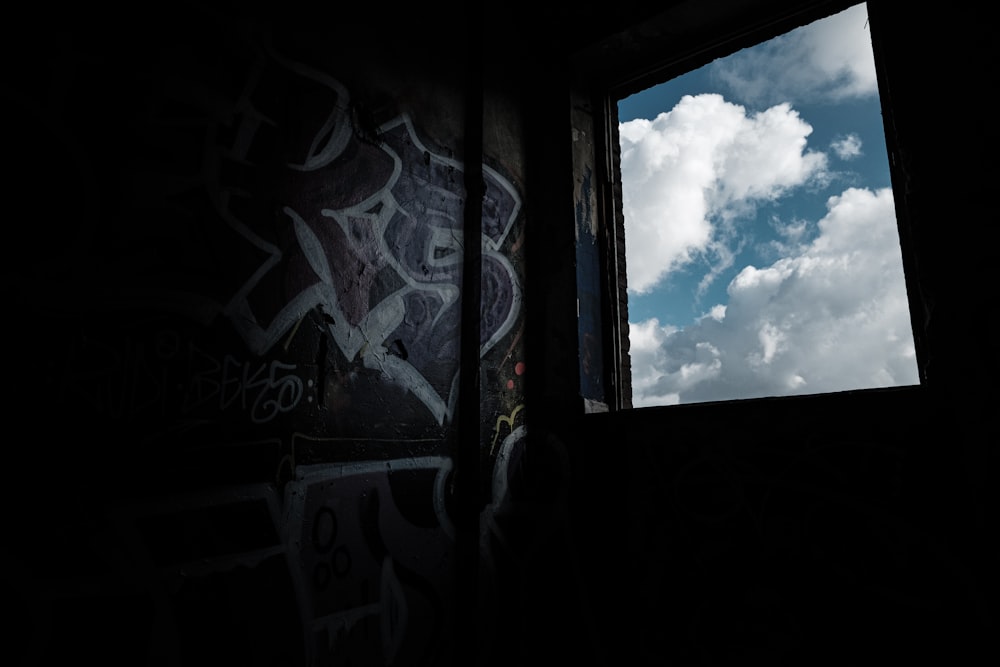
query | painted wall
(233,325)
(237,275)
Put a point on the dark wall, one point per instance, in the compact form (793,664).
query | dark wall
(239,338)
(238,269)
(834,529)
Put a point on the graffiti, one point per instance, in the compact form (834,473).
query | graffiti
(390,611)
(256,204)
(505,419)
(118,374)
(351,562)
(373,238)
(184,552)
(507,461)
(128,373)
(263,389)
(372,521)
(304,260)
(518,370)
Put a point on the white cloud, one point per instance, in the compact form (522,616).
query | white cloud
(700,165)
(828,60)
(647,353)
(847,147)
(832,317)
(790,235)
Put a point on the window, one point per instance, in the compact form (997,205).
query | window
(762,252)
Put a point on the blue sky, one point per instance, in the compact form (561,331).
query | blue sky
(761,244)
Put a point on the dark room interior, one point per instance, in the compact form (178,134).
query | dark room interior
(269,407)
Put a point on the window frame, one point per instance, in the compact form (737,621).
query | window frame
(643,56)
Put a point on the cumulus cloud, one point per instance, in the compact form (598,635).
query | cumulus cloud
(847,147)
(648,355)
(832,317)
(829,60)
(690,172)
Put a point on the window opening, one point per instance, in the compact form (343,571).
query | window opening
(762,249)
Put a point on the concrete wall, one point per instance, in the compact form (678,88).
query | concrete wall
(256,414)
(238,270)
(832,529)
